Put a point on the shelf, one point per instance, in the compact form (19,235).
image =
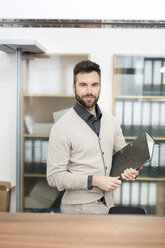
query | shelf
(139,97)
(60,54)
(50,95)
(35,175)
(156,179)
(36,135)
(134,137)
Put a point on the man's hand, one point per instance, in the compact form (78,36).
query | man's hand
(106,183)
(130,174)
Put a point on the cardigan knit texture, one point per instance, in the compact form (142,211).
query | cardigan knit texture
(75,151)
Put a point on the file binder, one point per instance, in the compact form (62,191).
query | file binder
(162,159)
(146,117)
(37,151)
(119,112)
(28,155)
(125,193)
(137,109)
(156,77)
(128,110)
(152,197)
(147,87)
(133,155)
(155,118)
(162,119)
(154,169)
(135,193)
(163,81)
(144,194)
(117,196)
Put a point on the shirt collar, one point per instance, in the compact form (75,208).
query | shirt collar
(84,114)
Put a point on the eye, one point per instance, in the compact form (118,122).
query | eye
(82,85)
(95,84)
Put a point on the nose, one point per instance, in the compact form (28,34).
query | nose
(89,89)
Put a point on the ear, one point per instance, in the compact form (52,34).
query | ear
(74,87)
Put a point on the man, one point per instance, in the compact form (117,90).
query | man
(80,149)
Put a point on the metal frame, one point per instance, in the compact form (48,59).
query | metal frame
(72,23)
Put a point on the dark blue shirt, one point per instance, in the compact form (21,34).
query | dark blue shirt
(91,120)
(94,124)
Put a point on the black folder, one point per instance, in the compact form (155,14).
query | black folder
(133,155)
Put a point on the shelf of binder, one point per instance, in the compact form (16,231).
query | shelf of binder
(137,116)
(35,153)
(137,194)
(139,105)
(154,80)
(156,167)
(46,96)
(138,75)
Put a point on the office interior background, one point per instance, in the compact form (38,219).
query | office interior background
(101,36)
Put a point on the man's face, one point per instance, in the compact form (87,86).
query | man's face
(87,89)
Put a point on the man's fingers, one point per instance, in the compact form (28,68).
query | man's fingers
(125,177)
(134,172)
(117,182)
(129,174)
(114,183)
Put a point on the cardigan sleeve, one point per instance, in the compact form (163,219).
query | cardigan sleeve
(57,161)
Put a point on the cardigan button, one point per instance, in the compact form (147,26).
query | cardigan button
(103,153)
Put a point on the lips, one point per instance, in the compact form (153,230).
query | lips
(89,97)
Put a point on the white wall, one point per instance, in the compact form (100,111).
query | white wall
(102,44)
(86,9)
(8,120)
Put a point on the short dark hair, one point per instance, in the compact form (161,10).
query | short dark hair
(86,66)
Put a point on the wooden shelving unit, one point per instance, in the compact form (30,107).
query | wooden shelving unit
(137,83)
(134,137)
(47,88)
(153,179)
(49,95)
(34,175)
(36,135)
(138,97)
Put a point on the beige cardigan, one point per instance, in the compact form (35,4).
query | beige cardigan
(75,151)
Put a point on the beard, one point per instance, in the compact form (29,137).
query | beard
(87,104)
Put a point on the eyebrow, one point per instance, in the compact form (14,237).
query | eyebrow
(91,84)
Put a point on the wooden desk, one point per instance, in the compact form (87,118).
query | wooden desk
(23,230)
